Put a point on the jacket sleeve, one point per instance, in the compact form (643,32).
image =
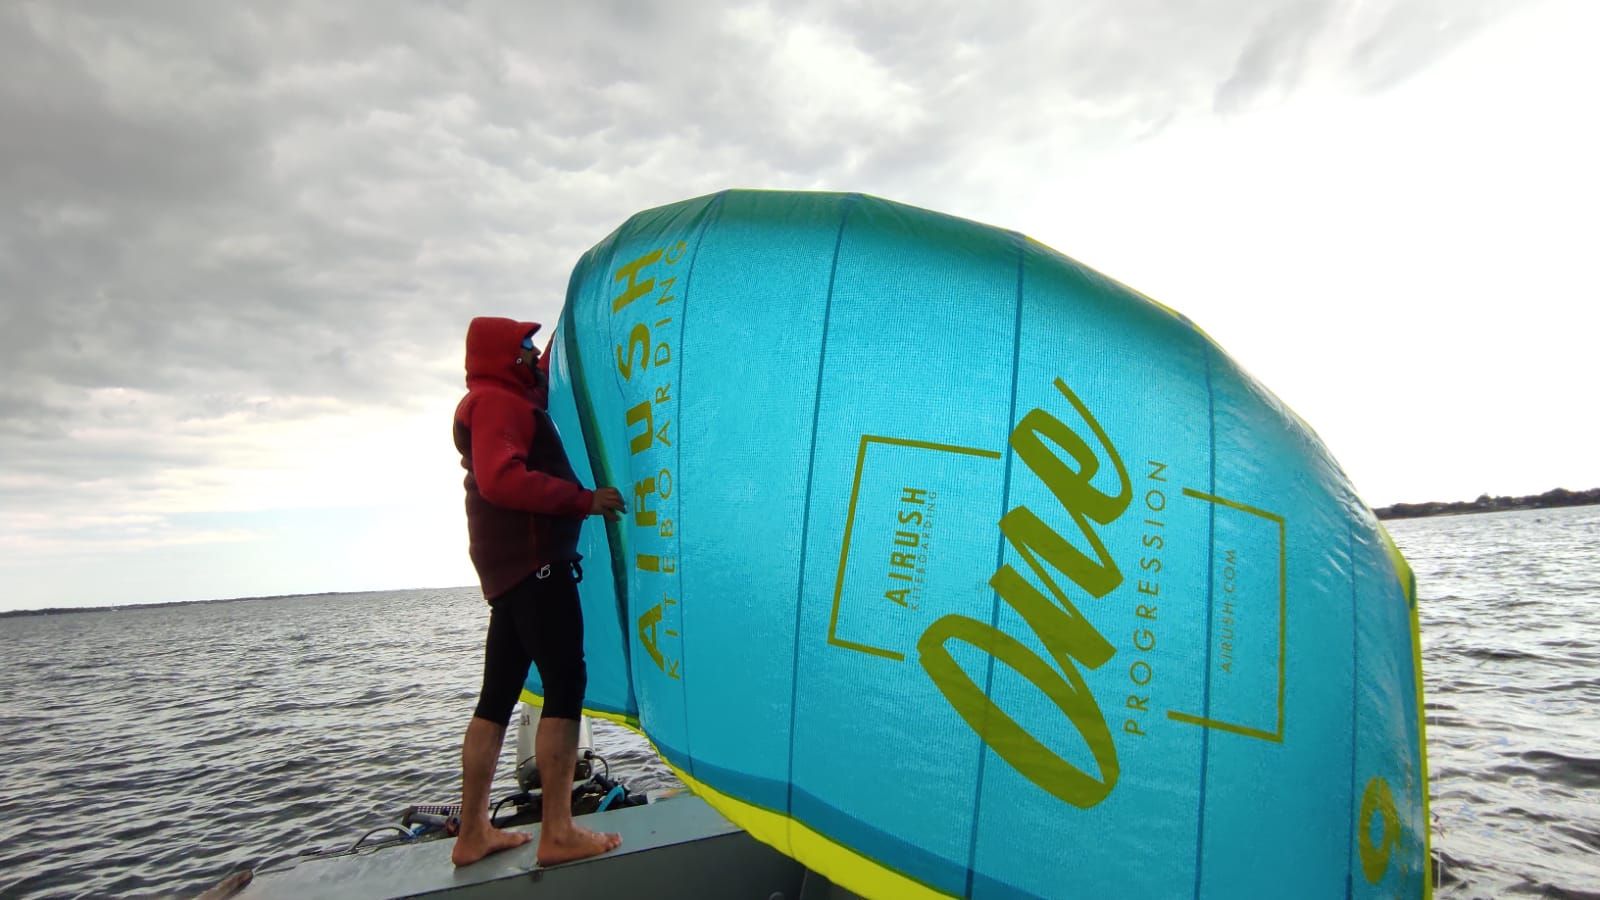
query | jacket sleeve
(502,432)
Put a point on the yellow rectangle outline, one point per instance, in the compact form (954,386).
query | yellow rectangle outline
(849,526)
(1283,624)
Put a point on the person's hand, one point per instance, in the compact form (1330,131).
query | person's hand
(607,502)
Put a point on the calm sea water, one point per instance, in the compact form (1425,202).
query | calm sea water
(152,751)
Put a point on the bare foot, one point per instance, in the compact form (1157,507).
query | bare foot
(471,848)
(576,842)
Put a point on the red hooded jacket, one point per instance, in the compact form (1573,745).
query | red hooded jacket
(524,504)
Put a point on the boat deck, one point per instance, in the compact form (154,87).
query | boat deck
(676,848)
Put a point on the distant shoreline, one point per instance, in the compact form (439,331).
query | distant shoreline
(1548,500)
(1560,497)
(127,607)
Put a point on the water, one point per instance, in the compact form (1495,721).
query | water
(1510,609)
(150,752)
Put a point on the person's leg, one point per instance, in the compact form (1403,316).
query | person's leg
(561,839)
(557,641)
(505,667)
(480,751)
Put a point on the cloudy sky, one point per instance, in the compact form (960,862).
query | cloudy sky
(239,246)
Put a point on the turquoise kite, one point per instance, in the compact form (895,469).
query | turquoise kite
(953,567)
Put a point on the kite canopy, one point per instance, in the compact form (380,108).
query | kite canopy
(954,567)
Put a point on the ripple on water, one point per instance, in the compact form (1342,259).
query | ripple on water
(1510,617)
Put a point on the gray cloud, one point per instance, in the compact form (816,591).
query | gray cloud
(232,210)
(1371,46)
(1275,56)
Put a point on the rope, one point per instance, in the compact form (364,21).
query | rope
(404,833)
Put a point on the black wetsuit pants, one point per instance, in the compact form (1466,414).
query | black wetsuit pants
(539,622)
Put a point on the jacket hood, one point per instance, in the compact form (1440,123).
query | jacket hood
(493,345)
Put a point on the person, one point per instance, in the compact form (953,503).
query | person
(525,508)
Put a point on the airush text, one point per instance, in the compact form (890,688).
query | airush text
(645,308)
(909,557)
(1067,635)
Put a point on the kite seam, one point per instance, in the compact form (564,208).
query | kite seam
(805,520)
(1205,679)
(1355,671)
(1000,555)
(712,212)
